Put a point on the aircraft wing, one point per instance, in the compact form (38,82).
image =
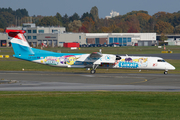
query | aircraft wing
(97,58)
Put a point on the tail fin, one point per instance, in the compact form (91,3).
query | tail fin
(19,43)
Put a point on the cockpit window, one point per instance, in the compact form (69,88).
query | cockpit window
(161,60)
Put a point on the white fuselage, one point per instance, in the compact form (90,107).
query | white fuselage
(108,61)
(142,62)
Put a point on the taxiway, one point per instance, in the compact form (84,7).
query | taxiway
(57,81)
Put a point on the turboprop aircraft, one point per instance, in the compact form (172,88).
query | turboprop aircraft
(94,60)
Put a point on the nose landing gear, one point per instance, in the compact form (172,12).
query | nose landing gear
(93,71)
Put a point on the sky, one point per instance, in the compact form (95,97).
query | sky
(69,7)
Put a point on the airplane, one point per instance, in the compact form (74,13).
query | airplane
(94,60)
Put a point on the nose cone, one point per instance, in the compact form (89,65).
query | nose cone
(170,67)
(173,68)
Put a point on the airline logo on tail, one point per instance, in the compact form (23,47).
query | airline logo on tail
(19,43)
(18,37)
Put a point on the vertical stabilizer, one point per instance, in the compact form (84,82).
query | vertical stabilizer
(19,42)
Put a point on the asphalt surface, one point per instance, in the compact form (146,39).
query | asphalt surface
(56,81)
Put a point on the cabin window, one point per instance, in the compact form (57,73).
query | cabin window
(161,60)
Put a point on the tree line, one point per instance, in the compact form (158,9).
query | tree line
(9,17)
(89,22)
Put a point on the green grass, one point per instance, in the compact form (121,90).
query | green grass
(89,105)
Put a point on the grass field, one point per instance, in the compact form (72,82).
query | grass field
(89,105)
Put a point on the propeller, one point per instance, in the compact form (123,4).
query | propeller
(118,57)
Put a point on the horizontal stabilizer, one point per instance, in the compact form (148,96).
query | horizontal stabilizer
(15,31)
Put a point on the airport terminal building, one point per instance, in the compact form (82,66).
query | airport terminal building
(56,36)
(124,39)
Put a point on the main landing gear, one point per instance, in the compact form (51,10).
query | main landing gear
(93,71)
(165,72)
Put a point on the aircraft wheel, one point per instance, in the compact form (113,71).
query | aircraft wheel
(93,71)
(165,72)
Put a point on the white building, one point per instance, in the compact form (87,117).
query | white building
(173,42)
(51,36)
(124,39)
(112,14)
